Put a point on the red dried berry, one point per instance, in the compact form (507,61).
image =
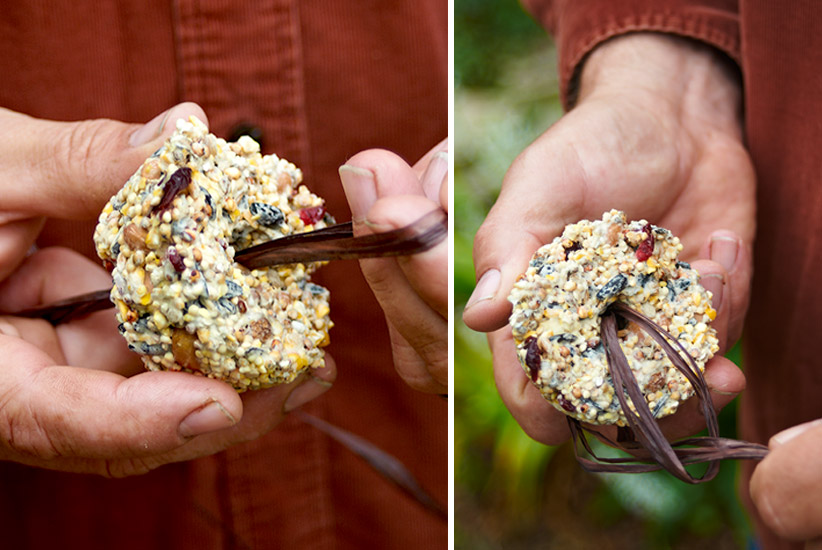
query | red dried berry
(646,248)
(532,357)
(312,215)
(564,403)
(178,181)
(176,260)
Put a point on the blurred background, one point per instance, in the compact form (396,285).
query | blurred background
(512,492)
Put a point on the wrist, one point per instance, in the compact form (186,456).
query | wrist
(664,72)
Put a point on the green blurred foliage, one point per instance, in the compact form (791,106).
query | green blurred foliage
(488,35)
(512,492)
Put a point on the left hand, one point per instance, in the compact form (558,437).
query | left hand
(74,398)
(385,193)
(786,485)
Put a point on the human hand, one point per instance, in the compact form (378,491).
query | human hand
(656,133)
(385,193)
(785,486)
(72,398)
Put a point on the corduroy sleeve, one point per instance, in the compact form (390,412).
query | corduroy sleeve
(578,26)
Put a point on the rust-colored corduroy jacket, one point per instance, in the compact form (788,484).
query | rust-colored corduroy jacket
(320,81)
(778,46)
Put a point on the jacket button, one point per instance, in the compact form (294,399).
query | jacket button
(246,129)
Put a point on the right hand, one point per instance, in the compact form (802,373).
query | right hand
(386,193)
(71,397)
(657,133)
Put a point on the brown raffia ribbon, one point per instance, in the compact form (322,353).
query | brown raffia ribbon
(339,243)
(385,464)
(642,438)
(336,242)
(66,310)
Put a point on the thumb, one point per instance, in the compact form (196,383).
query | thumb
(503,246)
(785,486)
(70,169)
(58,412)
(533,207)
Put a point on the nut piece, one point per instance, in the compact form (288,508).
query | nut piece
(260,329)
(135,237)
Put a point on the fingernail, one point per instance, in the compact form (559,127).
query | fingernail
(786,435)
(434,175)
(486,288)
(715,284)
(309,390)
(154,129)
(8,329)
(724,251)
(209,418)
(360,189)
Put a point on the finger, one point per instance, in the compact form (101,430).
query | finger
(444,195)
(714,279)
(427,271)
(537,417)
(429,374)
(729,250)
(262,411)
(724,380)
(70,169)
(421,327)
(53,274)
(16,238)
(421,166)
(435,175)
(37,332)
(373,174)
(517,226)
(785,486)
(320,380)
(54,412)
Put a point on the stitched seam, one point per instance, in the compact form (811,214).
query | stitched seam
(699,28)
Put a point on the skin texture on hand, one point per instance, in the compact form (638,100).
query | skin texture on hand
(73,397)
(656,133)
(786,485)
(385,193)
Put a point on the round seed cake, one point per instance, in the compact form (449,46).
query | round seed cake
(170,235)
(570,283)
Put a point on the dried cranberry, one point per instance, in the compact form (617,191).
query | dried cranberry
(178,181)
(312,215)
(532,357)
(176,260)
(646,248)
(565,404)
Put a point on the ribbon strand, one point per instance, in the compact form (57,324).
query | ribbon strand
(643,439)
